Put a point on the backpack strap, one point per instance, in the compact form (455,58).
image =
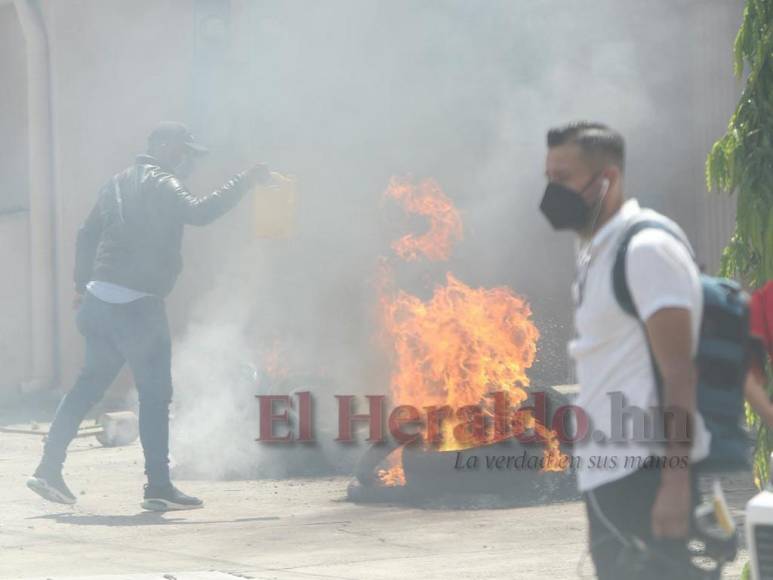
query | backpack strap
(619,279)
(623,292)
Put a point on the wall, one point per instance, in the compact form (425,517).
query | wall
(13,112)
(14,248)
(709,217)
(14,307)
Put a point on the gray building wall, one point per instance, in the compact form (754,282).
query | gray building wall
(118,67)
(14,234)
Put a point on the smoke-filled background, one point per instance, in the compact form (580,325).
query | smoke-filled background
(343,95)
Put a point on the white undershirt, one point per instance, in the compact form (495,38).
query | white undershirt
(114,293)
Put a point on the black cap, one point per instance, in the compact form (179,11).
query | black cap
(172,133)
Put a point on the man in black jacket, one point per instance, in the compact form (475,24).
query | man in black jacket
(128,258)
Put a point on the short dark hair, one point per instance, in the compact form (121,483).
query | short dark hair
(598,142)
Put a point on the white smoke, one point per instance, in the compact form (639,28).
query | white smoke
(345,94)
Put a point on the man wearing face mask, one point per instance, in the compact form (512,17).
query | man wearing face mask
(128,257)
(631,502)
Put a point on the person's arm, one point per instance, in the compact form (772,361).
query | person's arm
(754,390)
(665,285)
(670,335)
(200,211)
(86,249)
(760,330)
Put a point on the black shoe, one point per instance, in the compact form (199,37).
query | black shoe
(49,484)
(168,497)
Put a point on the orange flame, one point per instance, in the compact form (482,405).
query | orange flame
(445,225)
(393,475)
(460,345)
(463,344)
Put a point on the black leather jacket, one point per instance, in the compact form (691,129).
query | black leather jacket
(133,236)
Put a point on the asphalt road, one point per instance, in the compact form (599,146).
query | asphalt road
(299,529)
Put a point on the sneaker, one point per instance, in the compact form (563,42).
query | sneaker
(168,497)
(49,484)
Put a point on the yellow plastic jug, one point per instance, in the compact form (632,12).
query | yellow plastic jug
(275,207)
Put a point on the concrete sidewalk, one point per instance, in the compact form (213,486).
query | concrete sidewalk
(283,530)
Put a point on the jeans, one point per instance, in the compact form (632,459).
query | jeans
(136,333)
(626,505)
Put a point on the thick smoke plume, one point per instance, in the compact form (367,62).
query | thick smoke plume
(345,94)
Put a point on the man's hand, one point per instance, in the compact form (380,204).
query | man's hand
(258,174)
(671,511)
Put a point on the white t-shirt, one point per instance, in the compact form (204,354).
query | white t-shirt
(610,349)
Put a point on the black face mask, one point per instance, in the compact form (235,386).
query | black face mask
(565,208)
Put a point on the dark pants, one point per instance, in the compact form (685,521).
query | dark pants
(626,504)
(136,333)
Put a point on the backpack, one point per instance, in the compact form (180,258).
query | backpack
(721,357)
